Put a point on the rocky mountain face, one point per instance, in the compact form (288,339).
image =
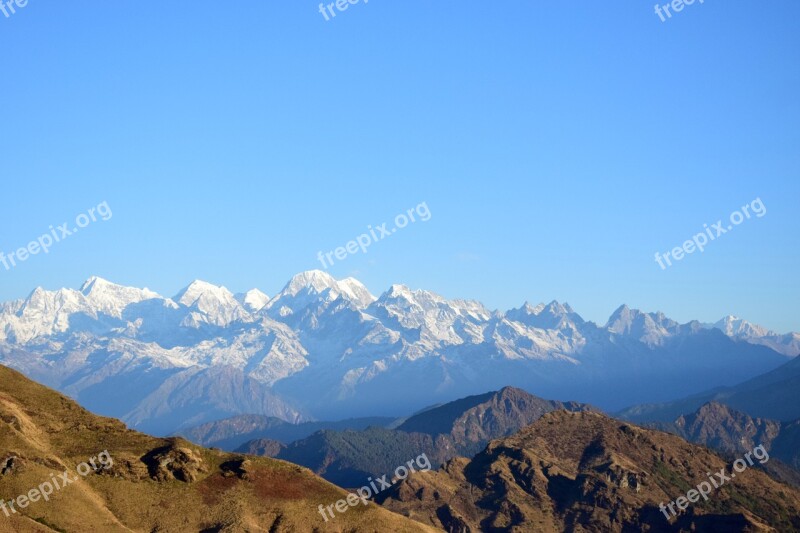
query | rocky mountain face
(469,424)
(143,483)
(731,432)
(717,426)
(774,395)
(328,349)
(587,472)
(460,428)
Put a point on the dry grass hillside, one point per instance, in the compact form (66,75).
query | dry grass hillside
(155,485)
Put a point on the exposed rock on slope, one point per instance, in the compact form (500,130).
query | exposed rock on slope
(154,484)
(721,428)
(472,422)
(587,472)
(463,427)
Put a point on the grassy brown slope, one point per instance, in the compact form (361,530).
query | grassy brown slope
(155,485)
(587,472)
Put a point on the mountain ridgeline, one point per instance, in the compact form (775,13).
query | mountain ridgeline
(546,466)
(231,433)
(327,349)
(732,433)
(774,395)
(584,471)
(460,428)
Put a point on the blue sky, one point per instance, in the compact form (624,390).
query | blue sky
(558,145)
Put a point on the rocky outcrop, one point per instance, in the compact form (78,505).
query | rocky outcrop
(174,462)
(588,472)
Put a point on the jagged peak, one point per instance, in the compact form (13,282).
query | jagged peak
(99,287)
(529,309)
(310,279)
(192,292)
(397,291)
(93,281)
(623,315)
(557,308)
(316,282)
(253,300)
(38,291)
(734,326)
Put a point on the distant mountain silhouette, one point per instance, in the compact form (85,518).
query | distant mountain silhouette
(774,395)
(262,447)
(231,433)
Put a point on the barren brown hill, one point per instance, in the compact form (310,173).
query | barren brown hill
(154,485)
(587,472)
(470,423)
(460,428)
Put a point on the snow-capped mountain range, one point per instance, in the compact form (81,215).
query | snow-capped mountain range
(327,348)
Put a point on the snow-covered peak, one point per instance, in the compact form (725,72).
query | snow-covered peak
(650,328)
(554,315)
(43,313)
(419,296)
(438,320)
(398,291)
(740,329)
(736,327)
(356,291)
(314,287)
(110,298)
(92,282)
(557,308)
(623,318)
(211,304)
(253,300)
(532,309)
(400,297)
(197,289)
(48,302)
(316,280)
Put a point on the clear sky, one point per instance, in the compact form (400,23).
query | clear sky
(558,146)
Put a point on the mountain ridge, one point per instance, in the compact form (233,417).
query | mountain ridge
(584,471)
(323,348)
(460,428)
